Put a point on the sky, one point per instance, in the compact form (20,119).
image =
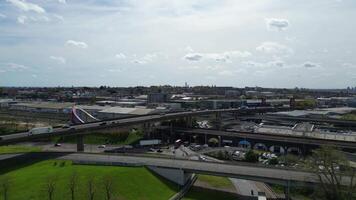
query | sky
(267,43)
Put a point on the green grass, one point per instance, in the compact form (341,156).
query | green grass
(18,149)
(104,138)
(216,181)
(349,117)
(196,193)
(129,182)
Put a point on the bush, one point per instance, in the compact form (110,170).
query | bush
(251,156)
(273,161)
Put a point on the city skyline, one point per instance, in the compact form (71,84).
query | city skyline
(272,43)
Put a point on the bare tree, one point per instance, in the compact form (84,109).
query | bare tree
(91,188)
(332,168)
(5,185)
(50,186)
(108,184)
(73,182)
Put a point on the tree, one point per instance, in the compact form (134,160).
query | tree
(213,141)
(50,186)
(5,185)
(73,182)
(91,188)
(108,184)
(332,167)
(251,156)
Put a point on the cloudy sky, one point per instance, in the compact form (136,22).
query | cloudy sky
(269,43)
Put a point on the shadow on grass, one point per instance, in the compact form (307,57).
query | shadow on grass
(26,159)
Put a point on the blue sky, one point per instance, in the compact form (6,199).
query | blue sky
(270,43)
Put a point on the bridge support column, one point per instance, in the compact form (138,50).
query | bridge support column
(218,120)
(189,122)
(147,129)
(80,143)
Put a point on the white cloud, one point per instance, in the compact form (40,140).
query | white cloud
(120,56)
(193,57)
(274,48)
(2,16)
(349,65)
(58,59)
(189,49)
(26,6)
(276,63)
(277,24)
(309,64)
(145,59)
(62,1)
(218,57)
(22,19)
(12,67)
(78,44)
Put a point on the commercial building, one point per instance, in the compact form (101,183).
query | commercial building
(157,97)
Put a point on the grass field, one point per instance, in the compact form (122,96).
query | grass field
(206,194)
(18,149)
(216,181)
(351,116)
(128,182)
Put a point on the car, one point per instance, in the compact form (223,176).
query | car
(103,146)
(57,145)
(159,151)
(102,124)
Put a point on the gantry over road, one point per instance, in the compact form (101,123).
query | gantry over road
(88,128)
(254,172)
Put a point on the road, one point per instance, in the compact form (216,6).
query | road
(242,171)
(87,128)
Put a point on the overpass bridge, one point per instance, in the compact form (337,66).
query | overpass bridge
(87,128)
(268,139)
(282,176)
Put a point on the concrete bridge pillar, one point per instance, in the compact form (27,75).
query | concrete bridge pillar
(218,120)
(189,122)
(80,143)
(147,129)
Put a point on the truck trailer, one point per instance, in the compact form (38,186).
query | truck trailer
(40,130)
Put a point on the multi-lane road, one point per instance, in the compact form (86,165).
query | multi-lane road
(86,128)
(243,171)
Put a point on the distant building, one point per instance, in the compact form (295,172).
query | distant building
(232,93)
(157,97)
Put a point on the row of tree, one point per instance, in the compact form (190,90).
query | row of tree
(50,187)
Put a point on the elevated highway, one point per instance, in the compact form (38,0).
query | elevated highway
(87,128)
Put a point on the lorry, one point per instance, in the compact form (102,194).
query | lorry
(40,130)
